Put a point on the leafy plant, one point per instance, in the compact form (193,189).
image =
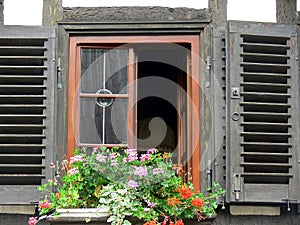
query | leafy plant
(127,184)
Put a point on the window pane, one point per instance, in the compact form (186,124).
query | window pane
(103,125)
(104,69)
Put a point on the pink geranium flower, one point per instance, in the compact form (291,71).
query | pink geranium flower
(33,220)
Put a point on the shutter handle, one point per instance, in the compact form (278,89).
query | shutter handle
(235,116)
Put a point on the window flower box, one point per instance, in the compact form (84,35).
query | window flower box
(99,217)
(125,187)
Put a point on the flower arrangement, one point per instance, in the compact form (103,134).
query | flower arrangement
(126,183)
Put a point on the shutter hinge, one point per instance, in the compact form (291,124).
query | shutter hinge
(208,72)
(288,201)
(59,75)
(237,185)
(209,173)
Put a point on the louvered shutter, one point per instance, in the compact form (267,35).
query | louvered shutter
(262,112)
(26,111)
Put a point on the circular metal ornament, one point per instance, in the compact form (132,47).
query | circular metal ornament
(104,102)
(235,116)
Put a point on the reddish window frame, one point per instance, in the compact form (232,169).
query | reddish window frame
(193,89)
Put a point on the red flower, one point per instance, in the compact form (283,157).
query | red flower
(44,204)
(33,220)
(151,222)
(165,221)
(185,192)
(173,201)
(166,155)
(171,222)
(179,222)
(197,202)
(57,195)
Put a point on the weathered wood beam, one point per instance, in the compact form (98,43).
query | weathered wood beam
(286,11)
(218,11)
(1,12)
(52,12)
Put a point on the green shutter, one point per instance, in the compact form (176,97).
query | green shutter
(262,135)
(26,111)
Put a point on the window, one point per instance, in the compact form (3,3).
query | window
(138,91)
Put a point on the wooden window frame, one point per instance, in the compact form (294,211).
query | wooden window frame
(193,88)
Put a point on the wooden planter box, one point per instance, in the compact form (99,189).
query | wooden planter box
(99,217)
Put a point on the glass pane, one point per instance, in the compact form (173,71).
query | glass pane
(104,69)
(103,125)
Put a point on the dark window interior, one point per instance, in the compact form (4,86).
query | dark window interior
(162,62)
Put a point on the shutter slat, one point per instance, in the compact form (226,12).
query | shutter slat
(23,96)
(264,84)
(23,86)
(265,74)
(21,165)
(22,47)
(23,125)
(23,67)
(23,57)
(265,45)
(31,145)
(266,124)
(42,77)
(22,106)
(265,104)
(266,114)
(22,155)
(268,174)
(22,135)
(22,175)
(267,144)
(23,115)
(266,94)
(266,154)
(273,165)
(245,54)
(274,65)
(265,133)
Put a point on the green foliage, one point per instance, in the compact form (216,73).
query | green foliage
(127,184)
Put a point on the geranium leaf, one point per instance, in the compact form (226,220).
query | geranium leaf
(111,218)
(126,222)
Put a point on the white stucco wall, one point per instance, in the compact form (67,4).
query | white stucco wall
(23,12)
(251,10)
(197,4)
